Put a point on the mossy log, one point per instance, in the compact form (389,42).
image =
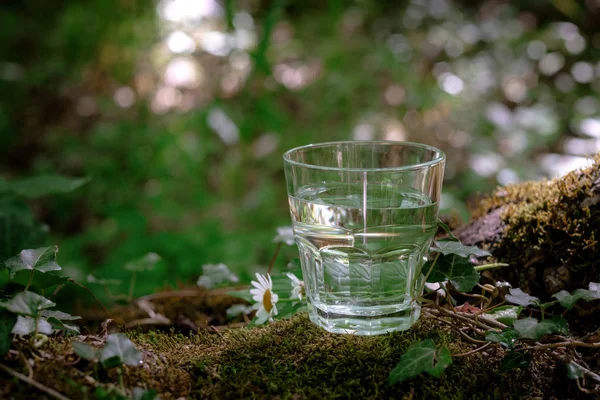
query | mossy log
(288,359)
(547,231)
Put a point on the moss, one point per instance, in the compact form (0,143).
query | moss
(549,230)
(289,359)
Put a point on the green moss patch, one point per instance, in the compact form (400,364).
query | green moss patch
(289,359)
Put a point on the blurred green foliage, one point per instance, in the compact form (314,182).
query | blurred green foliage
(178,112)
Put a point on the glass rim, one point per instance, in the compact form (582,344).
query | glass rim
(441,156)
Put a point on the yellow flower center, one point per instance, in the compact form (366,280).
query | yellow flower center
(267,300)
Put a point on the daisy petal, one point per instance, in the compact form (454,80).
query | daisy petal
(274,298)
(256,285)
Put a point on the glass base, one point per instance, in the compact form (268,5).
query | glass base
(365,325)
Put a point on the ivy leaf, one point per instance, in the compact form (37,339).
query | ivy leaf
(215,274)
(445,228)
(41,281)
(421,357)
(27,326)
(515,359)
(59,325)
(447,247)
(531,328)
(569,300)
(62,316)
(517,296)
(119,350)
(27,303)
(506,338)
(505,314)
(7,322)
(42,260)
(458,270)
(86,351)
(44,185)
(574,371)
(146,263)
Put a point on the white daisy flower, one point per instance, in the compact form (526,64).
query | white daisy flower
(285,234)
(297,286)
(265,299)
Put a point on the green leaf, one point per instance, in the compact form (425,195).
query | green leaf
(85,351)
(569,300)
(62,316)
(7,322)
(458,270)
(119,350)
(40,281)
(574,371)
(515,359)
(505,314)
(216,274)
(531,328)
(27,303)
(62,326)
(446,229)
(42,260)
(27,326)
(44,185)
(506,338)
(421,357)
(145,263)
(447,247)
(517,296)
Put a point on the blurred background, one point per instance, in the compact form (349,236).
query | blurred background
(178,112)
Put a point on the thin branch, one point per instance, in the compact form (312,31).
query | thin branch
(274,258)
(50,392)
(574,343)
(457,330)
(484,267)
(91,294)
(29,369)
(468,353)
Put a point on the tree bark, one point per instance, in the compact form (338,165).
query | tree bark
(546,231)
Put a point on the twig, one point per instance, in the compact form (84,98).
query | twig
(480,268)
(50,392)
(91,294)
(471,324)
(468,353)
(589,335)
(216,330)
(27,364)
(457,330)
(156,320)
(574,343)
(274,258)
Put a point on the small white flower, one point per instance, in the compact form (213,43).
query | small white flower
(265,299)
(297,286)
(285,234)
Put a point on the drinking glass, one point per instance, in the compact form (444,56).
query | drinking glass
(364,215)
